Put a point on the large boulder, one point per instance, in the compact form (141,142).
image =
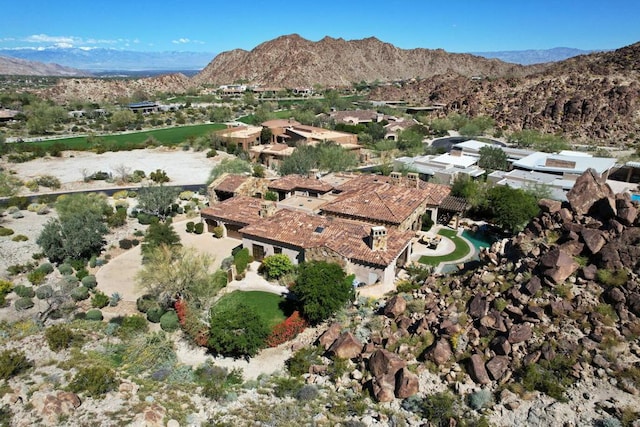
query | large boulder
(383,389)
(440,352)
(558,265)
(407,383)
(383,362)
(330,335)
(549,205)
(478,306)
(591,195)
(51,407)
(623,251)
(627,212)
(346,346)
(497,367)
(594,239)
(395,307)
(477,370)
(520,333)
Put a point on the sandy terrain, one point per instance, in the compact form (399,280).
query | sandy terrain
(183,167)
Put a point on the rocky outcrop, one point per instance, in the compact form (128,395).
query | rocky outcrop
(346,346)
(54,406)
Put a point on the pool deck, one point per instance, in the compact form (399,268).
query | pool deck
(446,246)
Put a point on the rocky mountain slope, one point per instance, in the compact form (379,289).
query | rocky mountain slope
(587,97)
(100,90)
(534,56)
(21,67)
(291,61)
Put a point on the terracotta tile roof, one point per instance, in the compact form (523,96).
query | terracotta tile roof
(299,182)
(231,183)
(360,115)
(240,210)
(455,204)
(347,238)
(437,192)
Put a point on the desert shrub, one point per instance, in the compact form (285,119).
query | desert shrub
(438,408)
(119,195)
(24,291)
(32,185)
(146,302)
(36,277)
(155,314)
(307,392)
(114,299)
(99,300)
(287,386)
(17,215)
(80,293)
(190,226)
(89,281)
(550,377)
(218,232)
(65,269)
(276,266)
(23,304)
(94,314)
(43,210)
(302,360)
(33,207)
(198,228)
(216,381)
(211,153)
(20,268)
(19,238)
(13,362)
(145,219)
(69,281)
(82,273)
(46,268)
(5,287)
(48,181)
(94,381)
(44,292)
(77,264)
(93,261)
(4,231)
(132,194)
(185,195)
(169,321)
(100,176)
(133,324)
(58,337)
(125,244)
(480,399)
(612,277)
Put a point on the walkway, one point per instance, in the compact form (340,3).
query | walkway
(446,246)
(255,282)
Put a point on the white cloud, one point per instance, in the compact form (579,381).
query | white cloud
(185,40)
(69,41)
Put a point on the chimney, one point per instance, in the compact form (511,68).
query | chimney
(396,177)
(413,177)
(313,174)
(267,209)
(378,238)
(455,153)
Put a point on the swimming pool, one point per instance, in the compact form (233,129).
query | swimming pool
(478,239)
(635,197)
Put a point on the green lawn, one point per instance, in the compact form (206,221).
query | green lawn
(462,249)
(273,308)
(168,136)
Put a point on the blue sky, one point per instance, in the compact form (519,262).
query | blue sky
(215,26)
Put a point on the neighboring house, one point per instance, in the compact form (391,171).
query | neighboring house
(270,155)
(144,107)
(293,134)
(7,115)
(445,167)
(392,201)
(297,185)
(569,164)
(228,185)
(371,253)
(243,136)
(394,128)
(236,213)
(558,186)
(355,117)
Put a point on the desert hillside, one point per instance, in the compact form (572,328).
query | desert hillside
(21,67)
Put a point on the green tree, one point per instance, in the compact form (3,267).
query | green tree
(41,117)
(322,288)
(121,119)
(258,171)
(233,166)
(156,200)
(220,114)
(276,266)
(159,234)
(77,236)
(236,330)
(265,135)
(327,156)
(69,204)
(493,158)
(176,272)
(511,209)
(410,141)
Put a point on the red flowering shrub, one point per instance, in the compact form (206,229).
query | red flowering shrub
(197,331)
(287,330)
(181,310)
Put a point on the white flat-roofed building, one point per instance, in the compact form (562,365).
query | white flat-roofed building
(564,164)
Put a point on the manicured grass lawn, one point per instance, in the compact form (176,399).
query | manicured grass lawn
(168,136)
(462,249)
(273,308)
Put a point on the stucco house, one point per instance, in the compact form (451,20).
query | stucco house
(372,253)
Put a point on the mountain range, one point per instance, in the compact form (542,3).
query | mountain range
(22,67)
(102,61)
